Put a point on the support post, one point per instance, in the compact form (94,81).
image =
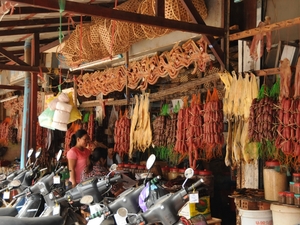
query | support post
(26,109)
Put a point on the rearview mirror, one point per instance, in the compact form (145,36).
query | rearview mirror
(150,161)
(2,177)
(58,156)
(86,200)
(38,153)
(113,167)
(30,151)
(15,183)
(188,173)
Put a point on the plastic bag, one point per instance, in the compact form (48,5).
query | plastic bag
(46,118)
(75,113)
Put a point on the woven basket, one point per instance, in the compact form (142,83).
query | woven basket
(131,28)
(147,7)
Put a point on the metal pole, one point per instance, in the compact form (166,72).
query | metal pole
(26,110)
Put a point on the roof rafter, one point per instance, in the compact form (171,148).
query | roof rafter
(32,30)
(96,10)
(31,22)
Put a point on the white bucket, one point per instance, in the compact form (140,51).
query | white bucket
(286,215)
(254,217)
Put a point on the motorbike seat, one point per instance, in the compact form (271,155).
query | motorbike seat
(10,211)
(49,220)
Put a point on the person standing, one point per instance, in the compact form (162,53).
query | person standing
(77,155)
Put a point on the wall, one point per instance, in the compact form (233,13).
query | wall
(280,10)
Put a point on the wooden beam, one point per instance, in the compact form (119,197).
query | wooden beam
(11,87)
(30,10)
(266,72)
(16,52)
(36,69)
(32,30)
(96,10)
(160,95)
(21,43)
(12,57)
(258,30)
(160,8)
(31,22)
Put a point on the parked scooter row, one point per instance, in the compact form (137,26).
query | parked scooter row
(125,209)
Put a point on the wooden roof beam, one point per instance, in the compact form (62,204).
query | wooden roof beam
(31,22)
(96,10)
(36,69)
(12,57)
(21,43)
(30,10)
(32,30)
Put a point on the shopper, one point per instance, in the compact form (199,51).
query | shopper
(77,155)
(96,165)
(112,156)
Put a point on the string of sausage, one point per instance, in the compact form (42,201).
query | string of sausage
(122,135)
(159,135)
(289,127)
(91,126)
(213,126)
(263,120)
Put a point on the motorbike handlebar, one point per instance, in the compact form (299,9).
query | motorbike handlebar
(21,194)
(195,185)
(60,169)
(115,178)
(59,200)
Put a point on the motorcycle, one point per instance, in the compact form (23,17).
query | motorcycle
(39,197)
(20,181)
(5,179)
(129,199)
(165,209)
(57,220)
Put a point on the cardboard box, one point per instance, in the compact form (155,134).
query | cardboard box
(190,210)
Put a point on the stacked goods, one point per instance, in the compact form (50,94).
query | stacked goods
(122,135)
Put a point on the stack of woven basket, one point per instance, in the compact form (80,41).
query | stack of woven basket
(105,37)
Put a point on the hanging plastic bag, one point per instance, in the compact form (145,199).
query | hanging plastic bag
(46,118)
(75,113)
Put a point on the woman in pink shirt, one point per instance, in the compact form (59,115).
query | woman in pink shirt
(77,155)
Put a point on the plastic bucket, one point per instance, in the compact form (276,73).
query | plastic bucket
(286,215)
(254,217)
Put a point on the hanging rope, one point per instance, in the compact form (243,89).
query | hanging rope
(62,4)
